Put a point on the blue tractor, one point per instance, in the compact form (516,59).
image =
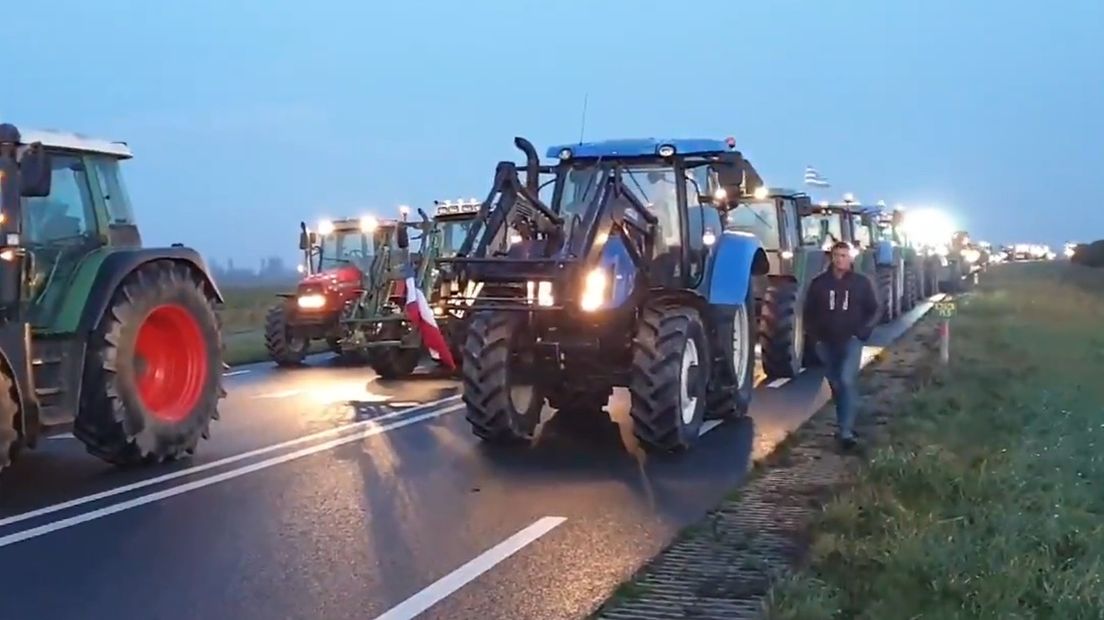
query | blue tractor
(622,276)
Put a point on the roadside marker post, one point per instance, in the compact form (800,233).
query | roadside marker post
(945,310)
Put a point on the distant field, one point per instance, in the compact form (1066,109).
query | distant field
(243,322)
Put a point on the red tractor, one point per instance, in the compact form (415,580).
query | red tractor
(338,264)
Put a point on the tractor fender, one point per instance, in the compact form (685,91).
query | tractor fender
(121,263)
(883,254)
(735,259)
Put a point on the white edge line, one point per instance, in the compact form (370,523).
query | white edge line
(234,373)
(180,489)
(777,383)
(213,464)
(443,587)
(62,436)
(707,426)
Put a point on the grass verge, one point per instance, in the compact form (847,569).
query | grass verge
(243,316)
(986,501)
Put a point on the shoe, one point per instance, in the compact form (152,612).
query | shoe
(848,443)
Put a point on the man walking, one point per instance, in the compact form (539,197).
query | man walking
(841,310)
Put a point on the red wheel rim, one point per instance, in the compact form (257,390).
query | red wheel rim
(171,362)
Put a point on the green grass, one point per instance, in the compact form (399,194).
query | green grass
(245,307)
(988,500)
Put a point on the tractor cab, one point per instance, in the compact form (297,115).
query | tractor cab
(340,261)
(828,223)
(451,222)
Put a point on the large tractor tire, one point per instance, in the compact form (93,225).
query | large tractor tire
(9,414)
(394,362)
(912,291)
(503,403)
(153,369)
(781,330)
(728,395)
(283,346)
(670,372)
(886,293)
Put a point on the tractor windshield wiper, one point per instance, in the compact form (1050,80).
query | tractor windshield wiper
(632,177)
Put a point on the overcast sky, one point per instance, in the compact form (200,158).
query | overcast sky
(248,115)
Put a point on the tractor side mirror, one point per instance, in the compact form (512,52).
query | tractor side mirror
(35,172)
(304,236)
(403,237)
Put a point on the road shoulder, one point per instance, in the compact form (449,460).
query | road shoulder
(724,566)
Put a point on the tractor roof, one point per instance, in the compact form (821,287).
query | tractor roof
(782,192)
(641,147)
(76,142)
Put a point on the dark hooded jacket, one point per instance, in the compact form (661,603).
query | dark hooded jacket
(838,308)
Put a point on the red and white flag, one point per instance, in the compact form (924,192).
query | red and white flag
(419,313)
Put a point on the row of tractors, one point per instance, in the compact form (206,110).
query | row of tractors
(652,265)
(659,266)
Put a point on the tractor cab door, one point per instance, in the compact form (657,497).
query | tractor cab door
(59,231)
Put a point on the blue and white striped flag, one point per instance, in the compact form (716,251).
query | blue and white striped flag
(813,177)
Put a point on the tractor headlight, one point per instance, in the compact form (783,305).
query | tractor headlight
(325,227)
(971,255)
(368,224)
(594,290)
(312,302)
(565,154)
(666,150)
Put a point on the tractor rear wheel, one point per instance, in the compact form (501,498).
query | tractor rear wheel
(781,330)
(912,295)
(9,413)
(670,371)
(283,346)
(503,401)
(728,395)
(153,370)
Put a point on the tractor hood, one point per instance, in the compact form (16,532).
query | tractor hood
(343,276)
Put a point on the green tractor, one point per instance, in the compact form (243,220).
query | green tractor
(774,216)
(118,343)
(352,296)
(442,240)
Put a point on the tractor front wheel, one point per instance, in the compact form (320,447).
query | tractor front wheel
(886,292)
(503,400)
(670,371)
(9,413)
(394,362)
(153,369)
(283,345)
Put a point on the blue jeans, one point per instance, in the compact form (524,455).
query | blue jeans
(841,369)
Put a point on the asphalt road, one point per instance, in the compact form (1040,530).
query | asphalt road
(328,493)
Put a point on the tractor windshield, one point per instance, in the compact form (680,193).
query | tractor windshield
(652,184)
(863,234)
(453,233)
(828,226)
(759,219)
(342,247)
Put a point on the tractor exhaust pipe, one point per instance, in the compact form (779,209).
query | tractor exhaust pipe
(532,164)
